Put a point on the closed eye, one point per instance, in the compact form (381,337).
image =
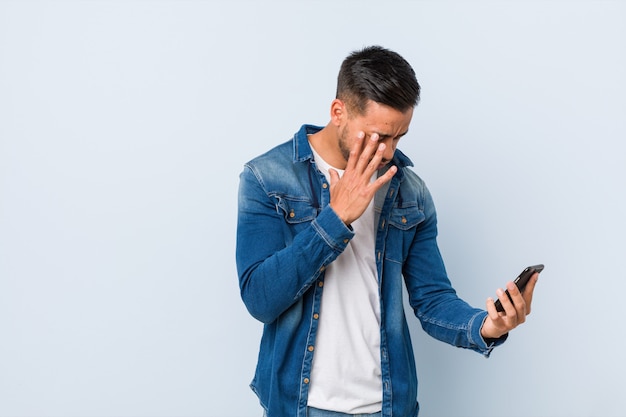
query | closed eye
(382,138)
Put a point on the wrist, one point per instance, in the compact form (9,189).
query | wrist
(489,331)
(345,220)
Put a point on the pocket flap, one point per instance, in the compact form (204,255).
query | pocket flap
(406,218)
(297,211)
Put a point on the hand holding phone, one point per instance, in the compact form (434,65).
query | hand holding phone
(520,282)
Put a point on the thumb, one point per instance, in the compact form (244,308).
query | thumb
(334,176)
(529,291)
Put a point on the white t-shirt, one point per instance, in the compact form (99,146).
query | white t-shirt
(346,372)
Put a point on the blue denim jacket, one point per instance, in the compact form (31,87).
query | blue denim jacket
(286,236)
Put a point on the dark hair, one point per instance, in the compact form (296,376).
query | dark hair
(377,74)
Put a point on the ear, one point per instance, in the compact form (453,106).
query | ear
(338,112)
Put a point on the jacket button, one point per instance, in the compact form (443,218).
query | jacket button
(320,284)
(306,380)
(316,316)
(346,240)
(292,214)
(324,185)
(311,348)
(403,219)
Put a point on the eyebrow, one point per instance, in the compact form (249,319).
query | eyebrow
(382,136)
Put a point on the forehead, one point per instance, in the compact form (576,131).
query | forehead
(384,120)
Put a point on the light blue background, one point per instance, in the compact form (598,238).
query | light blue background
(124,126)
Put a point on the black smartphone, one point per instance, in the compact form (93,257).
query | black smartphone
(521,281)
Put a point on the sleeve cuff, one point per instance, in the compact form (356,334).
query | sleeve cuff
(484,346)
(332,229)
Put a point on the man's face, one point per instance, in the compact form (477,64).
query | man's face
(388,123)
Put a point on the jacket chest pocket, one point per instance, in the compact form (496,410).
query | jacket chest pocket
(296,211)
(402,228)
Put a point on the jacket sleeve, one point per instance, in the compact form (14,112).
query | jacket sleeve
(276,264)
(442,314)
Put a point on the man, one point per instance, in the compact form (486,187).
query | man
(329,225)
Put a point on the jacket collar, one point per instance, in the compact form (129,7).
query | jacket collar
(301,148)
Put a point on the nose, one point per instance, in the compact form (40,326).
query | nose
(390,149)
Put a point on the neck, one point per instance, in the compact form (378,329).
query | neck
(326,144)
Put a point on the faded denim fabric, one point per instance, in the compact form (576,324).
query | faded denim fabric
(287,234)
